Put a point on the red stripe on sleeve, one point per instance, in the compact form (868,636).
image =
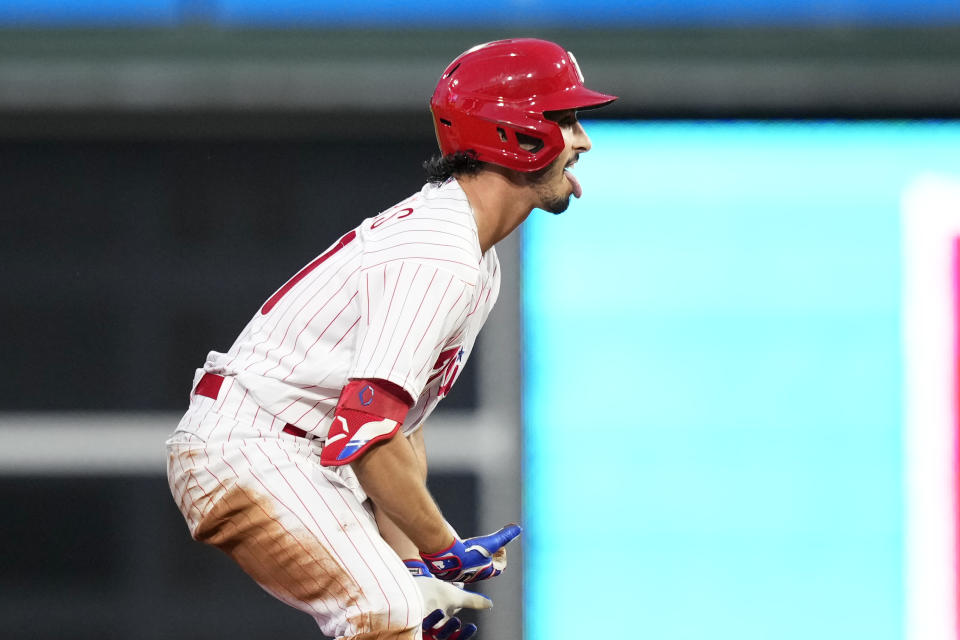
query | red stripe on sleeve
(303,273)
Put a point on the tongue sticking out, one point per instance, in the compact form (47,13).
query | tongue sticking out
(577,189)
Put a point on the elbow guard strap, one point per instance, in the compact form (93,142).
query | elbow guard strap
(369,411)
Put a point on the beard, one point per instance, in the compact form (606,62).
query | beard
(550,200)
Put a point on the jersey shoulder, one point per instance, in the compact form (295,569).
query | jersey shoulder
(434,226)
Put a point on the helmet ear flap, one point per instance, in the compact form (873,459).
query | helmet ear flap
(520,142)
(529,143)
(505,143)
(536,144)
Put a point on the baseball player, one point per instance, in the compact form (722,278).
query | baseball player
(302,452)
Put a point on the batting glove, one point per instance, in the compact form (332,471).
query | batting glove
(449,630)
(448,597)
(472,559)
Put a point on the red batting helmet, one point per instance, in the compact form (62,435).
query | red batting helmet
(492,99)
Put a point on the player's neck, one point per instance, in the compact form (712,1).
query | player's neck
(499,204)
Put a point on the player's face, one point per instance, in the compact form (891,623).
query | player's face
(556,183)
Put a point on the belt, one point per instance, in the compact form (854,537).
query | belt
(209,387)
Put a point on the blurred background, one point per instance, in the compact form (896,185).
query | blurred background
(733,410)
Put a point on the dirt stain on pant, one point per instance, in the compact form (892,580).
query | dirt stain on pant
(291,565)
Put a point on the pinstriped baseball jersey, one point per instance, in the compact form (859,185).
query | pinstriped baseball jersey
(402,298)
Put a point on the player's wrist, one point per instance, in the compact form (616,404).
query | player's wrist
(448,562)
(449,543)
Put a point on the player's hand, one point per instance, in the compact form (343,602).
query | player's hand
(448,597)
(472,559)
(449,630)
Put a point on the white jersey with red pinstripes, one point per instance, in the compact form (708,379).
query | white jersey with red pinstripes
(401,298)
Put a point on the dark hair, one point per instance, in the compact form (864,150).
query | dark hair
(441,168)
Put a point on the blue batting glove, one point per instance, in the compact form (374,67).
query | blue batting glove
(450,630)
(472,559)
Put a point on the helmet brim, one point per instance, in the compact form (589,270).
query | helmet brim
(579,98)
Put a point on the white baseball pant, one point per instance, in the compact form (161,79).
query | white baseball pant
(304,532)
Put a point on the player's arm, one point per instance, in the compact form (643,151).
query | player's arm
(390,474)
(364,432)
(389,531)
(408,551)
(444,598)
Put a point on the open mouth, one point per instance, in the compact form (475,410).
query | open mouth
(577,189)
